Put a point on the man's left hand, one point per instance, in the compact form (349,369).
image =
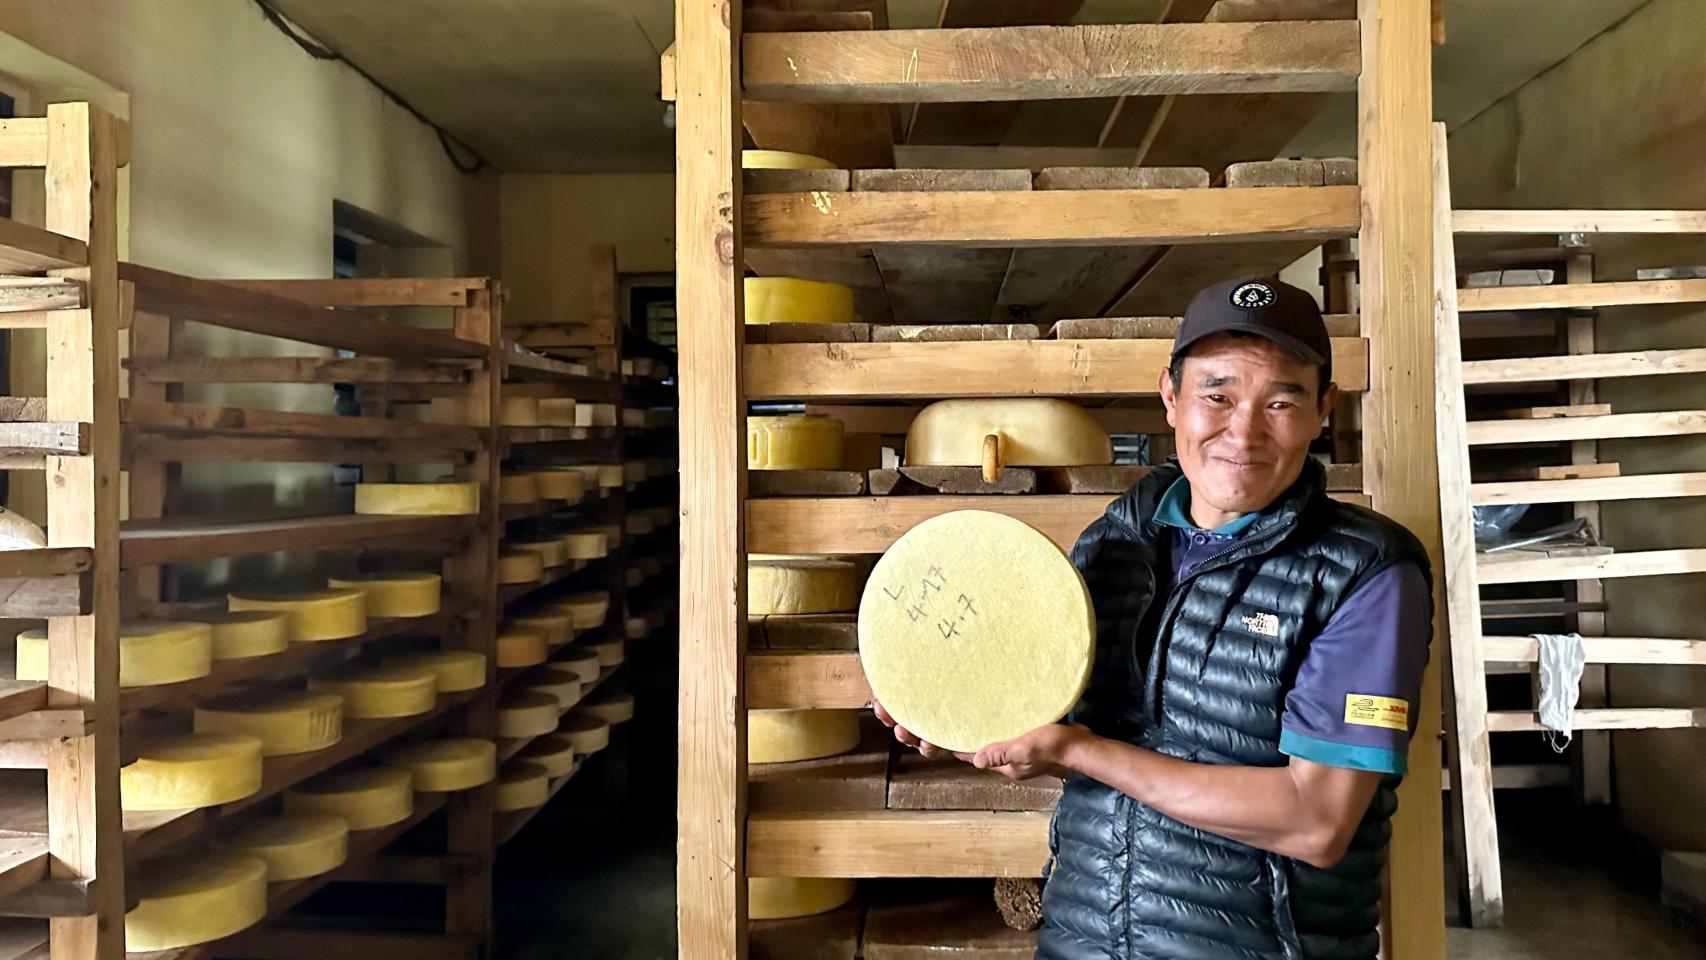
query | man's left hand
(1043,752)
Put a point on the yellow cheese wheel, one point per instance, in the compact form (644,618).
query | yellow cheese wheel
(440,766)
(553,752)
(793,442)
(150,652)
(457,670)
(418,499)
(611,532)
(1033,432)
(521,647)
(364,798)
(552,552)
(191,770)
(782,160)
(608,652)
(556,411)
(194,898)
(527,713)
(636,628)
(522,785)
(520,566)
(380,692)
(294,846)
(588,732)
(559,485)
(784,898)
(587,610)
(595,414)
(610,475)
(801,586)
(315,614)
(247,633)
(395,594)
(517,488)
(784,736)
(562,685)
(611,706)
(627,368)
(555,624)
(975,628)
(788,300)
(287,721)
(518,412)
(582,663)
(861,451)
(586,545)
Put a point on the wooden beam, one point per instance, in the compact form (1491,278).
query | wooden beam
(1041,63)
(43,438)
(188,539)
(34,294)
(1578,221)
(895,843)
(1502,568)
(27,249)
(294,370)
(45,562)
(1053,217)
(1624,650)
(38,597)
(195,418)
(1607,426)
(23,142)
(1034,159)
(984,122)
(1581,296)
(371,291)
(896,420)
(806,679)
(847,134)
(1640,487)
(1626,718)
(1588,366)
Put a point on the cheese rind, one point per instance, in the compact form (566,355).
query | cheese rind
(521,786)
(564,686)
(793,442)
(191,770)
(364,798)
(248,633)
(609,652)
(586,545)
(800,586)
(790,300)
(517,488)
(583,663)
(417,499)
(520,566)
(1034,432)
(784,898)
(518,412)
(195,898)
(396,594)
(785,736)
(527,713)
(315,615)
(441,766)
(588,732)
(611,706)
(556,411)
(554,752)
(293,846)
(286,721)
(595,414)
(586,610)
(457,670)
(559,485)
(381,692)
(521,647)
(782,160)
(556,624)
(150,652)
(552,552)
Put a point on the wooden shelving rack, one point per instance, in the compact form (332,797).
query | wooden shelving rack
(1138,245)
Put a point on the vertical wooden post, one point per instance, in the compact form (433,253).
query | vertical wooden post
(1338,288)
(711,791)
(606,312)
(1395,249)
(84,829)
(153,482)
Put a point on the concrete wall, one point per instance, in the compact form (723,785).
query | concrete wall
(1621,124)
(549,222)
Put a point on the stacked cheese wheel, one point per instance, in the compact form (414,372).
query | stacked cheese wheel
(417,499)
(779,586)
(150,652)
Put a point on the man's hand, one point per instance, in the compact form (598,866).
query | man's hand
(911,739)
(1043,752)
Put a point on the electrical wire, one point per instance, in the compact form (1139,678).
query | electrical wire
(446,140)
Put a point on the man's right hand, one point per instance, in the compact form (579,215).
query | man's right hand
(912,740)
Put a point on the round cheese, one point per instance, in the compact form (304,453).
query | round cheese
(612,534)
(527,713)
(552,552)
(784,736)
(456,670)
(521,647)
(556,411)
(315,615)
(185,900)
(381,692)
(608,652)
(610,475)
(440,766)
(582,663)
(586,545)
(418,499)
(395,594)
(793,442)
(521,786)
(801,586)
(589,733)
(633,471)
(286,721)
(782,160)
(248,633)
(518,412)
(564,686)
(587,610)
(294,846)
(611,706)
(636,628)
(520,566)
(595,414)
(788,300)
(784,898)
(553,752)
(633,417)
(517,488)
(1033,432)
(975,628)
(191,770)
(364,798)
(559,485)
(555,624)
(150,652)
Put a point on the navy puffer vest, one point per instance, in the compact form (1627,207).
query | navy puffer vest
(1130,883)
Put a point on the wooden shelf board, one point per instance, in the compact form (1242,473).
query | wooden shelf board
(1650,563)
(1610,718)
(23,862)
(1578,221)
(507,824)
(805,679)
(45,562)
(1637,487)
(1625,650)
(897,843)
(191,419)
(185,539)
(1586,366)
(556,434)
(39,438)
(1581,296)
(510,746)
(356,370)
(27,249)
(19,697)
(1608,426)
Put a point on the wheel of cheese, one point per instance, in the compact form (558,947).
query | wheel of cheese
(610,475)
(556,412)
(247,633)
(441,766)
(789,300)
(638,525)
(518,412)
(418,499)
(784,736)
(150,652)
(633,417)
(801,586)
(585,545)
(611,706)
(559,485)
(636,628)
(517,488)
(315,615)
(287,721)
(975,628)
(364,798)
(552,552)
(1033,432)
(554,752)
(456,670)
(587,610)
(520,566)
(612,533)
(555,624)
(633,471)
(784,898)
(294,846)
(395,594)
(564,686)
(194,898)
(793,442)
(582,663)
(588,732)
(521,647)
(380,692)
(527,713)
(522,785)
(608,652)
(191,770)
(861,451)
(782,160)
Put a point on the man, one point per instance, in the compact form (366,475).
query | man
(1230,769)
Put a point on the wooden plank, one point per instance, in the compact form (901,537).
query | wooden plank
(1495,568)
(44,438)
(18,697)
(897,843)
(27,249)
(20,294)
(1032,63)
(283,943)
(193,418)
(1640,487)
(142,449)
(805,483)
(954,332)
(802,679)
(1567,471)
(1581,296)
(1053,217)
(39,597)
(371,291)
(1553,412)
(848,134)
(857,780)
(294,370)
(1079,368)
(947,783)
(1623,650)
(940,921)
(23,142)
(1169,282)
(23,862)
(1592,366)
(14,409)
(1578,221)
(1625,718)
(985,122)
(1035,159)
(189,539)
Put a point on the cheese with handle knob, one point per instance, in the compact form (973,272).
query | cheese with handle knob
(150,652)
(785,736)
(294,846)
(315,615)
(380,692)
(442,766)
(365,798)
(194,898)
(191,770)
(1030,432)
(286,721)
(417,499)
(793,442)
(395,594)
(801,586)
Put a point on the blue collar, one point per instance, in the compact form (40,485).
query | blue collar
(1174,510)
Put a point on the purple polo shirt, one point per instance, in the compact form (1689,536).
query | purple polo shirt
(1354,702)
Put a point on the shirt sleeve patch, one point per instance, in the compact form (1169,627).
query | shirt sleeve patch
(1367,710)
(1328,753)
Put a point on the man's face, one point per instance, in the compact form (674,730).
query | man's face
(1243,416)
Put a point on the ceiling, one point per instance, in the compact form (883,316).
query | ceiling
(572,85)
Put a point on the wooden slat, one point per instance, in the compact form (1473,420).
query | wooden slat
(28,294)
(1590,366)
(896,419)
(371,291)
(1608,426)
(847,134)
(1578,221)
(1639,487)
(1053,217)
(1580,296)
(1649,563)
(1654,650)
(294,370)
(806,679)
(27,249)
(32,598)
(1081,368)
(189,539)
(200,419)
(1032,63)
(23,142)
(23,861)
(45,562)
(1167,284)
(1626,718)
(983,122)
(897,843)
(142,448)
(284,943)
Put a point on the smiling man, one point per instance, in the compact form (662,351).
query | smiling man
(1230,770)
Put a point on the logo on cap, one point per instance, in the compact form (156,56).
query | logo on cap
(1254,296)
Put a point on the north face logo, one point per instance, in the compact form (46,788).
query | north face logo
(1265,624)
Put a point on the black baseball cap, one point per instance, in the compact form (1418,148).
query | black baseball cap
(1265,307)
